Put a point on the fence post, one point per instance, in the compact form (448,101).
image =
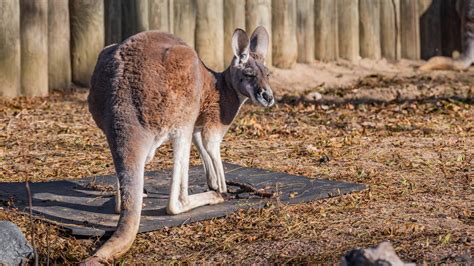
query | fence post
(325,30)
(34,47)
(259,13)
(390,29)
(10,48)
(134,17)
(113,21)
(158,15)
(59,53)
(348,29)
(285,47)
(87,37)
(305,30)
(410,30)
(210,33)
(234,17)
(184,14)
(369,14)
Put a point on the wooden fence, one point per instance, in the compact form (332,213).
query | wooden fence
(48,44)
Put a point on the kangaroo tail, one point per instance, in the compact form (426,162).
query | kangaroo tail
(129,164)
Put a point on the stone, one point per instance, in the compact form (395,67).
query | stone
(14,248)
(383,254)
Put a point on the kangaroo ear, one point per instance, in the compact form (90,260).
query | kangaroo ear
(259,41)
(240,45)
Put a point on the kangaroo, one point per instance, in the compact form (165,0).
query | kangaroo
(152,88)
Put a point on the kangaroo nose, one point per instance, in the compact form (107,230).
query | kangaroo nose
(267,96)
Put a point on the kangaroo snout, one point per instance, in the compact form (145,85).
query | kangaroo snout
(265,98)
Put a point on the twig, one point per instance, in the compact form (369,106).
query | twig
(32,224)
(247,188)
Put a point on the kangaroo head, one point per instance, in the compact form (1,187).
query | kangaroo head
(249,75)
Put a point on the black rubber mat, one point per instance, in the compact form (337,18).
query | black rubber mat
(88,210)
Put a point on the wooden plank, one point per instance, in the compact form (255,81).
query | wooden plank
(325,30)
(390,29)
(369,17)
(87,38)
(10,62)
(210,33)
(184,14)
(134,17)
(113,21)
(410,29)
(285,48)
(305,30)
(59,53)
(234,17)
(159,15)
(34,47)
(348,29)
(430,29)
(259,13)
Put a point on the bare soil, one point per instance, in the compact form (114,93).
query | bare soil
(415,153)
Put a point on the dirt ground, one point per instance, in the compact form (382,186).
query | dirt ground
(408,136)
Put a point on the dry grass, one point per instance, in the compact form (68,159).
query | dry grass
(417,158)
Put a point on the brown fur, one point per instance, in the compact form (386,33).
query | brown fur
(152,87)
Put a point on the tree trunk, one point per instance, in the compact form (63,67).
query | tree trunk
(259,13)
(369,14)
(113,21)
(159,15)
(185,20)
(234,17)
(10,61)
(305,30)
(210,33)
(348,29)
(59,53)
(450,27)
(34,47)
(285,47)
(134,17)
(390,29)
(326,44)
(410,30)
(87,38)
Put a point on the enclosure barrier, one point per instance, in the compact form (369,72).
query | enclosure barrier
(48,44)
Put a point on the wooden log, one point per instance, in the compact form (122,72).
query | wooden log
(134,17)
(34,47)
(184,16)
(390,29)
(234,17)
(430,29)
(113,21)
(348,29)
(59,53)
(369,15)
(325,30)
(305,30)
(410,29)
(285,47)
(159,15)
(210,33)
(10,61)
(259,13)
(87,37)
